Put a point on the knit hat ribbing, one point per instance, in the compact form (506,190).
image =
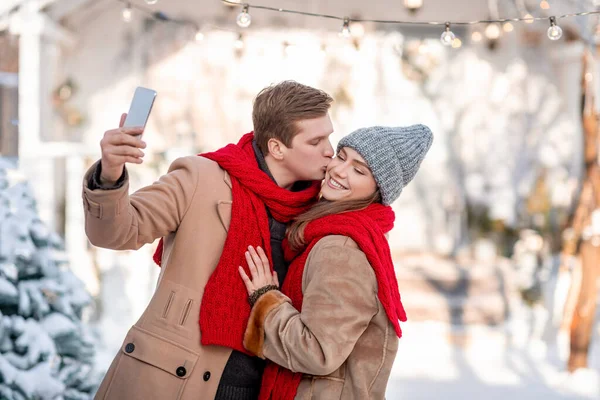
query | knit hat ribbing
(394,154)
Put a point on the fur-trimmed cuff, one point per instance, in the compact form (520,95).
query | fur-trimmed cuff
(254,337)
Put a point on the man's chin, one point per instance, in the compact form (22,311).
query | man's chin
(314,177)
(319,177)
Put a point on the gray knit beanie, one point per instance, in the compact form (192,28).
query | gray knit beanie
(394,155)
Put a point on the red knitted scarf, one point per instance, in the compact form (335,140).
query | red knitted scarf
(224,311)
(367,228)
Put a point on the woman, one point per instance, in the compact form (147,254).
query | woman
(332,331)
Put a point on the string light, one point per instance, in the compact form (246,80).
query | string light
(413,5)
(239,42)
(345,32)
(151,2)
(323,49)
(492,31)
(447,37)
(290,49)
(456,43)
(357,30)
(244,19)
(476,36)
(163,17)
(527,18)
(544,5)
(555,31)
(127,13)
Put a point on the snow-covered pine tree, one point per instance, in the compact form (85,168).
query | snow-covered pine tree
(46,350)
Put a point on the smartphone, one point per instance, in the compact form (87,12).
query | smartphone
(140,107)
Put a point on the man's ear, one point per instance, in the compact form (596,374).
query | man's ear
(276,149)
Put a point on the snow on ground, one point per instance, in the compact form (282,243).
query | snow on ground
(434,361)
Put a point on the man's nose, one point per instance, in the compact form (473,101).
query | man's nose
(329,150)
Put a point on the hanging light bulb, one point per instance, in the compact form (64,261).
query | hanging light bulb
(492,31)
(345,32)
(244,19)
(323,49)
(555,31)
(199,36)
(476,36)
(544,5)
(358,30)
(508,27)
(127,13)
(588,77)
(239,43)
(290,49)
(447,37)
(413,5)
(456,43)
(151,2)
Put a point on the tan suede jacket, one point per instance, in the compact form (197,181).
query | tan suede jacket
(342,340)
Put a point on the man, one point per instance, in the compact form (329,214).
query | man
(188,342)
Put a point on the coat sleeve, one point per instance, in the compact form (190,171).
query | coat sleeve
(340,299)
(119,221)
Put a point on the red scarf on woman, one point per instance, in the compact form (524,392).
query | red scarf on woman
(367,228)
(224,311)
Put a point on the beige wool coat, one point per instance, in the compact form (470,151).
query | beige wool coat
(161,357)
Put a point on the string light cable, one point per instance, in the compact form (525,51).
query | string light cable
(158,15)
(554,31)
(244,19)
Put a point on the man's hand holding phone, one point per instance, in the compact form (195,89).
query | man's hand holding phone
(120,146)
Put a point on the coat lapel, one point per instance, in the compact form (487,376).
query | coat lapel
(224,206)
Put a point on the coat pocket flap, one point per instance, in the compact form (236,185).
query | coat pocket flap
(159,352)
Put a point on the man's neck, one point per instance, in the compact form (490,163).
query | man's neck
(270,167)
(281,177)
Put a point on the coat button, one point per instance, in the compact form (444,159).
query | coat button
(129,348)
(181,371)
(206,376)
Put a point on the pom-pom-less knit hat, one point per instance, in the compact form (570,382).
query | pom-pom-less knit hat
(394,154)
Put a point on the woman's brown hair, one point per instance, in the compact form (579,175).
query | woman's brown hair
(295,232)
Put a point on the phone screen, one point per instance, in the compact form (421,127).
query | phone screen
(140,107)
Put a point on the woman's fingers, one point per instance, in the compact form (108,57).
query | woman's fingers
(247,282)
(263,270)
(256,259)
(264,260)
(260,268)
(252,266)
